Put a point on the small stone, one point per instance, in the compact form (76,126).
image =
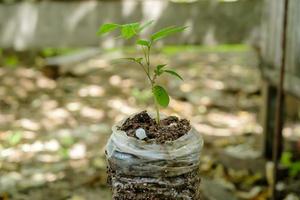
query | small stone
(140,133)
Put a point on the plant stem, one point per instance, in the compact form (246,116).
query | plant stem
(148,75)
(157,111)
(152,80)
(147,58)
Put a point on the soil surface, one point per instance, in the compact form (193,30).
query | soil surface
(169,128)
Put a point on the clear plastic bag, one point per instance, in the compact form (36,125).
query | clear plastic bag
(160,169)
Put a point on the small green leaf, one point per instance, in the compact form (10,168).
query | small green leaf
(130,30)
(158,71)
(161,95)
(172,72)
(105,28)
(137,60)
(166,32)
(146,25)
(159,67)
(143,42)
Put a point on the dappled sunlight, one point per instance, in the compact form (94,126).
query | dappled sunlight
(122,106)
(48,158)
(74,106)
(92,113)
(92,91)
(115,80)
(214,84)
(57,115)
(26,73)
(186,87)
(6,119)
(48,105)
(37,146)
(27,84)
(45,83)
(230,120)
(78,151)
(292,130)
(98,63)
(182,107)
(29,124)
(11,155)
(65,83)
(210,130)
(62,125)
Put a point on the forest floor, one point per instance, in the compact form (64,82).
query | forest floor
(53,132)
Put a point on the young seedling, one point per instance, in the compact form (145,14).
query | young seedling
(133,30)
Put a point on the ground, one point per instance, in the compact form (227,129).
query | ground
(53,131)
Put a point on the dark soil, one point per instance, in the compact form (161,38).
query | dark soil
(181,187)
(169,129)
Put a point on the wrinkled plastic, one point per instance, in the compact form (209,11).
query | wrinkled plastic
(132,157)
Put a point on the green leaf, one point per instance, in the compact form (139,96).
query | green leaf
(286,159)
(130,30)
(161,95)
(295,169)
(159,70)
(166,32)
(146,25)
(137,60)
(172,72)
(159,67)
(105,28)
(143,42)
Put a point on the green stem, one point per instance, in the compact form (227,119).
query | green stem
(147,73)
(152,80)
(157,112)
(156,107)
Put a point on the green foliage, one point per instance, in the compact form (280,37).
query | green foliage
(145,43)
(11,61)
(172,72)
(107,28)
(15,138)
(293,166)
(167,32)
(173,50)
(51,52)
(161,95)
(286,159)
(128,31)
(136,60)
(159,69)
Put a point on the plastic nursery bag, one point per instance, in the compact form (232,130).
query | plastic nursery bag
(132,157)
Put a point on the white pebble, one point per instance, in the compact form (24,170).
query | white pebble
(140,133)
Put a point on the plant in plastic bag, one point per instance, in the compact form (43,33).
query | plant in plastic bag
(141,169)
(144,167)
(132,30)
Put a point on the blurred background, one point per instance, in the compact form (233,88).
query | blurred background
(61,91)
